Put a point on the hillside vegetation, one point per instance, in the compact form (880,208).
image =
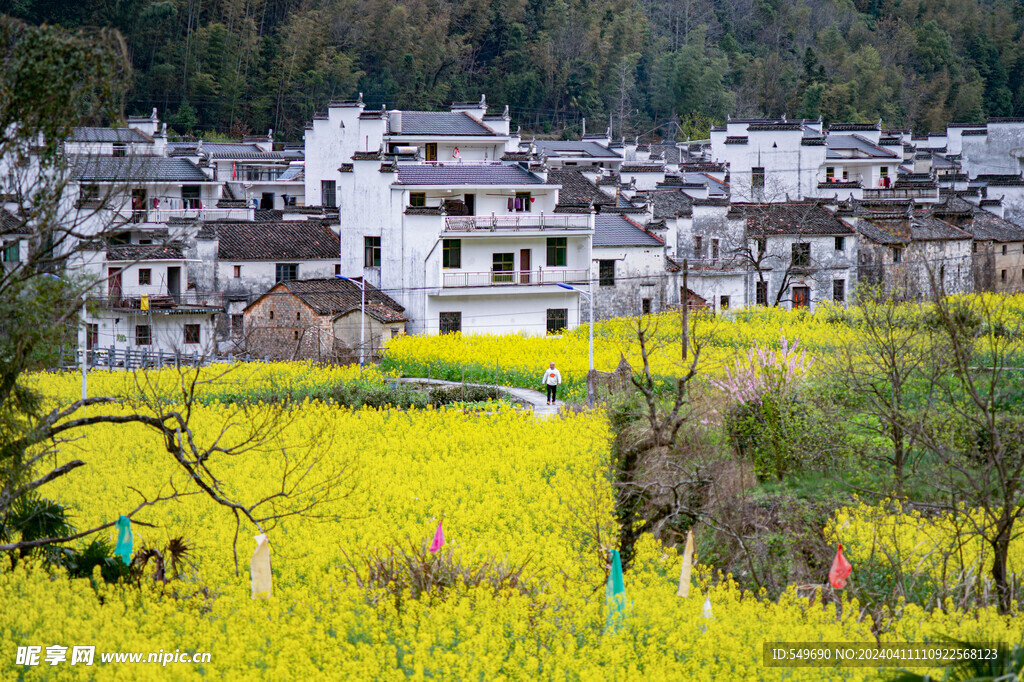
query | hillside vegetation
(655,66)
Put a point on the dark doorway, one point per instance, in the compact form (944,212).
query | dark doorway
(524,266)
(267,202)
(801,297)
(470,200)
(174,283)
(114,284)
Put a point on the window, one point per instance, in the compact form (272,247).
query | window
(337,269)
(271,313)
(885,171)
(897,254)
(119,149)
(606,273)
(761,293)
(451,254)
(430,151)
(371,252)
(12,252)
(840,243)
(556,251)
(143,336)
(645,306)
(698,247)
(830,173)
(145,276)
(417,198)
(522,202)
(558,319)
(1002,275)
(839,290)
(974,247)
(1004,249)
(237,324)
(801,255)
(191,333)
(714,249)
(298,317)
(191,196)
(92,336)
(328,193)
(757,180)
(295,334)
(450,323)
(502,263)
(238,271)
(723,303)
(285,272)
(761,243)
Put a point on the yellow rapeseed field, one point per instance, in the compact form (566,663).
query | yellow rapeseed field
(507,486)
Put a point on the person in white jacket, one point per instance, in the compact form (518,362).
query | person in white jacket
(552,377)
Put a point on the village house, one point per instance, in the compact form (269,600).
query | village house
(243,260)
(905,250)
(997,258)
(630,269)
(320,319)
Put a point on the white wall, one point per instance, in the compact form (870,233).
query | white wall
(498,313)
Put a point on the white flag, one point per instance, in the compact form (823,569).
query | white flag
(259,568)
(684,573)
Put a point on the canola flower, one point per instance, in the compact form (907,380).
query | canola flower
(507,486)
(516,359)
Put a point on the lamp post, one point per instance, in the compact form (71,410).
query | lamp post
(362,314)
(590,301)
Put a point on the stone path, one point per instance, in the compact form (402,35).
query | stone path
(534,399)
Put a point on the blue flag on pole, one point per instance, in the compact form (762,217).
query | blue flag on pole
(124,539)
(615,593)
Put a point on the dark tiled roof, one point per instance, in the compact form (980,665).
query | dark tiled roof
(1001,180)
(576,189)
(246,156)
(972,133)
(920,227)
(670,203)
(333,296)
(618,230)
(987,225)
(735,140)
(642,168)
(574,148)
(791,218)
(124,135)
(855,126)
(10,224)
(130,252)
(424,210)
(146,168)
(777,125)
(468,174)
(288,240)
(670,152)
(857,144)
(441,123)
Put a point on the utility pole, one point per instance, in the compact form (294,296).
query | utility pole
(684,317)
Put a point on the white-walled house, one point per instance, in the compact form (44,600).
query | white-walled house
(143,302)
(631,273)
(770,160)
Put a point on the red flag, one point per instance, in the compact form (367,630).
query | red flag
(840,571)
(234,170)
(438,542)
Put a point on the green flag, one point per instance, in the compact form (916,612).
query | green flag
(124,540)
(615,593)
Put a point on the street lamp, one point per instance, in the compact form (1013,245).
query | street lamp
(590,301)
(362,313)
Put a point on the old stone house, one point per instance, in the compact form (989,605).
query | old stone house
(319,319)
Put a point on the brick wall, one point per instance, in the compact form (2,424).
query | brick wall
(282,327)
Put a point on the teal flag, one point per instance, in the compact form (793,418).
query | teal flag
(615,594)
(124,540)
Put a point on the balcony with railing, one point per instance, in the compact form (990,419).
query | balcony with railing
(518,222)
(931,192)
(182,302)
(513,278)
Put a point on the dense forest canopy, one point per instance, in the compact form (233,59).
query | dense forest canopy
(652,67)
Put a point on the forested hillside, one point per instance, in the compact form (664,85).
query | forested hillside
(234,65)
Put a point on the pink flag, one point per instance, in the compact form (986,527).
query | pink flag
(438,542)
(841,570)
